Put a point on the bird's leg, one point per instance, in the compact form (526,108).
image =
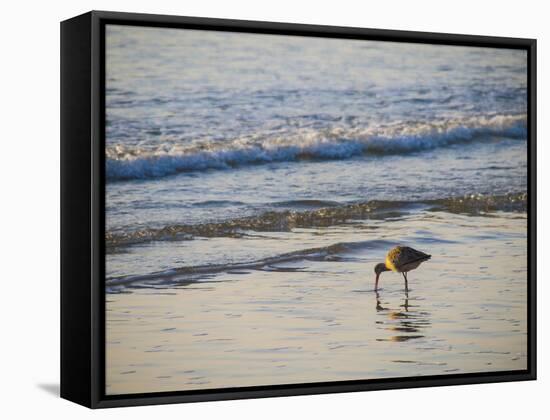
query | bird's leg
(406,282)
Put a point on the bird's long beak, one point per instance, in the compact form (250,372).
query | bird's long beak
(376,282)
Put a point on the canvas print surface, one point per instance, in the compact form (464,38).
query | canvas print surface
(257,187)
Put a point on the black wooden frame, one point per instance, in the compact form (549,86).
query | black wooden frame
(83,204)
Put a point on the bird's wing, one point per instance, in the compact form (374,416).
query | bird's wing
(400,256)
(410,255)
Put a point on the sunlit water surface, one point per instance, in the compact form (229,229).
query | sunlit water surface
(253,182)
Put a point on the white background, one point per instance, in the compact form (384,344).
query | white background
(29,210)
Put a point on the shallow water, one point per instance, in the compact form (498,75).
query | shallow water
(319,319)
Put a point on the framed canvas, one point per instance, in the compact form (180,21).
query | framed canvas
(255,209)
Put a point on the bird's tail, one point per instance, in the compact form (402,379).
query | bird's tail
(422,258)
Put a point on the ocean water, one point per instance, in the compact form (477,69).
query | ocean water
(253,182)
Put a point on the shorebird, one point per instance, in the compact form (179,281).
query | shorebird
(401,259)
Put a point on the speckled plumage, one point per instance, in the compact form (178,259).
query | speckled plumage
(401,259)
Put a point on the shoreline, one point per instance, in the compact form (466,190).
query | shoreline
(319,320)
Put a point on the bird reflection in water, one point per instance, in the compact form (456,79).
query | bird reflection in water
(407,322)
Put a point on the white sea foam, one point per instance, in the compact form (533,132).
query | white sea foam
(124,162)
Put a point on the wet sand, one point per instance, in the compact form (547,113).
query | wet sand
(320,320)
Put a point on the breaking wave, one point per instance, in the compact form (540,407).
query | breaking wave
(133,162)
